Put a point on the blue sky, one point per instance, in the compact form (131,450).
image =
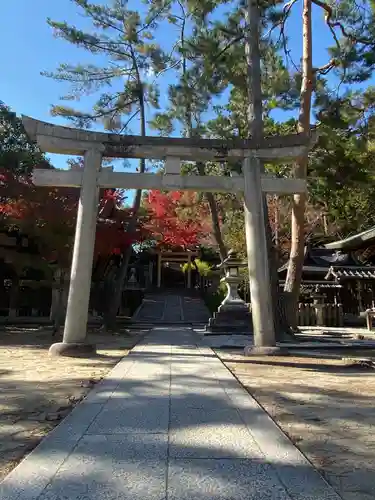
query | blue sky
(32,49)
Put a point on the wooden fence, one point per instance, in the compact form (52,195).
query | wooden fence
(320,314)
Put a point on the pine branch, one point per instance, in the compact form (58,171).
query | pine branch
(86,40)
(154,17)
(337,24)
(229,45)
(90,10)
(79,74)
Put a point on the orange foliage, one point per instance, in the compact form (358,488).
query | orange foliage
(177,219)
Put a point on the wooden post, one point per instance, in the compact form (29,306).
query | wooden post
(359,295)
(256,242)
(75,330)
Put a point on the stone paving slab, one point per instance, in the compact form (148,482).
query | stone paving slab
(223,480)
(106,467)
(202,437)
(139,420)
(215,433)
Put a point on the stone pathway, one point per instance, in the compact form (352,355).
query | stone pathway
(170,422)
(173,307)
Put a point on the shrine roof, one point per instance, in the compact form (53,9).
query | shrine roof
(331,265)
(356,242)
(356,273)
(319,260)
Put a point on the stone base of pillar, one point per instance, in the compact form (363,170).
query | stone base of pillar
(252,350)
(230,321)
(72,350)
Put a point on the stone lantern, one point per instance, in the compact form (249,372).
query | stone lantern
(233,315)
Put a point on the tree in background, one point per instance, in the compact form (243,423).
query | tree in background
(124,39)
(46,217)
(219,46)
(351,59)
(189,97)
(208,56)
(17,154)
(176,219)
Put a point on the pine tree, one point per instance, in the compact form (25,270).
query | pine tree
(189,98)
(351,26)
(125,39)
(17,154)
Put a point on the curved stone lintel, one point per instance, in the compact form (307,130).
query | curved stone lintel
(65,140)
(72,350)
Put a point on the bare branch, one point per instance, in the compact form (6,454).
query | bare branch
(288,6)
(282,24)
(129,120)
(326,68)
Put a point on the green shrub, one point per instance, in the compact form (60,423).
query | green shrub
(213,300)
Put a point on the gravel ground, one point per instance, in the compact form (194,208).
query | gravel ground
(325,406)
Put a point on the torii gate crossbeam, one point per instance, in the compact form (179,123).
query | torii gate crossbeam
(96,145)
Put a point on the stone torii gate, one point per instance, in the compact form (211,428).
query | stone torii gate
(96,145)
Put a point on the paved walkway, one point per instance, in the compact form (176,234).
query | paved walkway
(173,307)
(169,423)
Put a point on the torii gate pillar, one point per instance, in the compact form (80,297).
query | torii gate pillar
(74,341)
(257,257)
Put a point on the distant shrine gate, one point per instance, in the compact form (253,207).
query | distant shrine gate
(96,145)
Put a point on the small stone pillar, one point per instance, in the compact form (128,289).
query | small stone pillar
(319,308)
(233,315)
(133,278)
(75,330)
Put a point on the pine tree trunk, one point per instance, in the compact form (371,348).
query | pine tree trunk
(109,318)
(13,297)
(61,302)
(214,217)
(201,168)
(296,258)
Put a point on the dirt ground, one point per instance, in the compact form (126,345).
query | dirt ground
(327,409)
(37,391)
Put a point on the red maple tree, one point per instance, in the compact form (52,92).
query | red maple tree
(48,216)
(176,219)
